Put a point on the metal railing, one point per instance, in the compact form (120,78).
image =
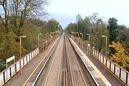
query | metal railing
(9,72)
(118,71)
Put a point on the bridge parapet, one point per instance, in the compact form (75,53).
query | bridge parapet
(10,71)
(114,68)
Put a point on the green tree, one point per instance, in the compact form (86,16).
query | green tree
(53,25)
(124,39)
(113,32)
(72,27)
(80,24)
(87,25)
(112,29)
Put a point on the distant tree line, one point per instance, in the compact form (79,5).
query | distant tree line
(21,17)
(92,25)
(118,37)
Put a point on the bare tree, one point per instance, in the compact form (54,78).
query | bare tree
(19,10)
(3,3)
(32,8)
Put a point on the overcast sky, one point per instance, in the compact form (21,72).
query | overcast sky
(65,11)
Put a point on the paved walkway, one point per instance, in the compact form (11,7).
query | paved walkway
(19,79)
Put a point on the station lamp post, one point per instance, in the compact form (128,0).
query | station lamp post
(82,39)
(39,34)
(89,45)
(21,52)
(106,41)
(89,37)
(81,35)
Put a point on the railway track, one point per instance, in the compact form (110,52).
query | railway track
(81,76)
(45,70)
(66,78)
(76,75)
(41,68)
(52,71)
(62,68)
(85,73)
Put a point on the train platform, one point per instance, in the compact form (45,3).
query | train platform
(98,77)
(114,81)
(21,79)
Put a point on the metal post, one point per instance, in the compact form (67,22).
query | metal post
(39,34)
(82,39)
(20,56)
(21,52)
(38,40)
(89,37)
(106,43)
(89,44)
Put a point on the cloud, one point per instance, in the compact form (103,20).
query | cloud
(63,19)
(106,8)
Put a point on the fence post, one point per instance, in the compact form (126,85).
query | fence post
(15,68)
(10,72)
(4,77)
(120,73)
(126,77)
(114,68)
